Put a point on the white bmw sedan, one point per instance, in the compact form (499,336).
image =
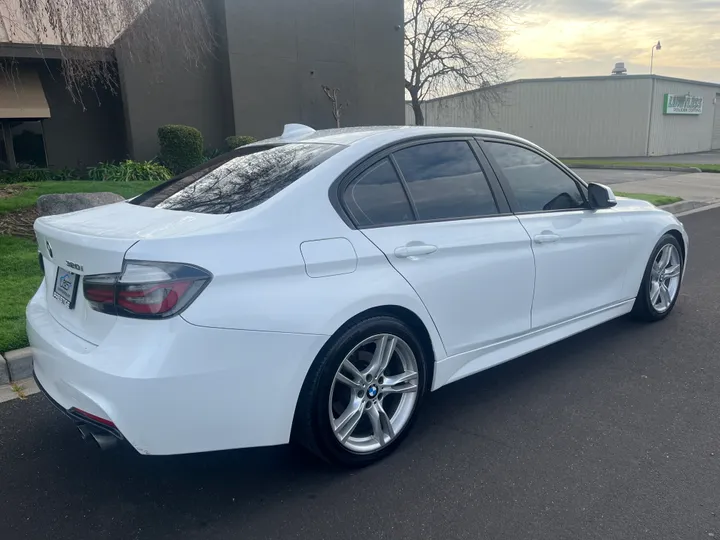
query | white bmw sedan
(315,287)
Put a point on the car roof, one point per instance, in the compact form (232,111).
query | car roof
(351,135)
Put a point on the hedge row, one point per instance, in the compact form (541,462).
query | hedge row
(181,149)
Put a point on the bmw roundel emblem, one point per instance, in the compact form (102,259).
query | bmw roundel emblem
(372,391)
(49,249)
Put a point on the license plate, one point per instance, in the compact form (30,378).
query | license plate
(65,287)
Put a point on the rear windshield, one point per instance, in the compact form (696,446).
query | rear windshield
(239,180)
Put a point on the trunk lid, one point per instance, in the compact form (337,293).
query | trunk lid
(95,241)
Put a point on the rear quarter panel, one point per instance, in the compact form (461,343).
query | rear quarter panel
(260,280)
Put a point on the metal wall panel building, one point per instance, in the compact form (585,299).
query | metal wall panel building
(584,116)
(680,134)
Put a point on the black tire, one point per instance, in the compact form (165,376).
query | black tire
(643,308)
(312,428)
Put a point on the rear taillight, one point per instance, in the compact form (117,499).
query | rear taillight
(146,290)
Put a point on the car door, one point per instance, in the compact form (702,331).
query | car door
(580,254)
(430,208)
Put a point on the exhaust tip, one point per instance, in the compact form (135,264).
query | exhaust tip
(105,442)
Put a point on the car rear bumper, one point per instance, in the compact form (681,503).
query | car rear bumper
(172,388)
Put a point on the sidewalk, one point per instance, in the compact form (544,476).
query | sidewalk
(712,157)
(698,187)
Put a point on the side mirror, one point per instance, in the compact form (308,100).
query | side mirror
(601,196)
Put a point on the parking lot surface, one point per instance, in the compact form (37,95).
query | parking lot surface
(619,176)
(612,434)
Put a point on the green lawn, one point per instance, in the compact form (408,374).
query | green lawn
(657,200)
(703,167)
(20,277)
(29,196)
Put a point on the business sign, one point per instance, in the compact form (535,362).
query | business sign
(683,104)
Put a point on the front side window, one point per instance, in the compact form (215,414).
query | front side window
(538,184)
(238,183)
(377,197)
(445,181)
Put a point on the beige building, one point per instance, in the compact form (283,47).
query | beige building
(613,116)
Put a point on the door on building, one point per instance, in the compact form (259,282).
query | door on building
(716,126)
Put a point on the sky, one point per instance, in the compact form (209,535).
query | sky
(565,38)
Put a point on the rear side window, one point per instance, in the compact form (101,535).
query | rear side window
(239,183)
(377,197)
(445,181)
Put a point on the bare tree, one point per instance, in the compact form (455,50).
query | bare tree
(453,45)
(83,30)
(337,107)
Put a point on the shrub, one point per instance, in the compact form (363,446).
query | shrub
(28,173)
(236,141)
(181,147)
(212,153)
(129,171)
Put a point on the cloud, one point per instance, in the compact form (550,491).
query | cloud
(586,37)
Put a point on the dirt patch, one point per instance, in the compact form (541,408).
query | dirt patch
(19,223)
(12,190)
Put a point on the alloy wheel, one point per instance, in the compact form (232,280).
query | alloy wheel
(373,393)
(665,278)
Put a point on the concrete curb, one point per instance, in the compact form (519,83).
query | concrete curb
(636,168)
(20,390)
(684,206)
(712,205)
(4,373)
(19,364)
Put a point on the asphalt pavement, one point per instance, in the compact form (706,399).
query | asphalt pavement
(612,434)
(700,158)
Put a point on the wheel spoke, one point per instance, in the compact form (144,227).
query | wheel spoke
(352,370)
(348,420)
(385,421)
(380,423)
(384,349)
(665,296)
(664,259)
(672,271)
(354,379)
(654,293)
(400,384)
(348,382)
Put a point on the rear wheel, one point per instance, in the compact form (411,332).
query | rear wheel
(660,287)
(361,395)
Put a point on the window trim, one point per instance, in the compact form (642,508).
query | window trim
(505,184)
(339,187)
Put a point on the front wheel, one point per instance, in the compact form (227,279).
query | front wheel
(660,286)
(361,395)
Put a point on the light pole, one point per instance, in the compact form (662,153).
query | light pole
(652,55)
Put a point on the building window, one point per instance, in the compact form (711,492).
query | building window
(28,143)
(23,143)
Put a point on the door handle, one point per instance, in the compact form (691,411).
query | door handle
(414,250)
(546,238)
